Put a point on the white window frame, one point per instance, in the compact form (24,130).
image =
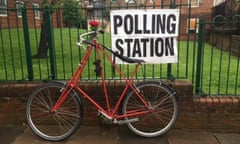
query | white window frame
(36,12)
(215,2)
(194,6)
(193,29)
(129,1)
(5,7)
(19,5)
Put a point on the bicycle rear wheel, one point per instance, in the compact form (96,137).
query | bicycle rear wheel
(53,126)
(165,109)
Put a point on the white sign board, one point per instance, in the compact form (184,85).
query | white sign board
(150,34)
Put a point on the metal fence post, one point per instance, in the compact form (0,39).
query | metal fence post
(198,88)
(27,43)
(170,76)
(50,41)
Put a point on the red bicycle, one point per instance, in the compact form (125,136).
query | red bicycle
(54,110)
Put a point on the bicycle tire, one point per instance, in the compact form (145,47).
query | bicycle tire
(55,126)
(162,99)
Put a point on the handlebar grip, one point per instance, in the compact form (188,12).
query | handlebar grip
(102,31)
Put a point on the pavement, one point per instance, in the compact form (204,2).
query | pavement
(17,134)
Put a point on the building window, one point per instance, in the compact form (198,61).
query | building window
(19,5)
(36,11)
(194,3)
(98,8)
(217,2)
(193,25)
(129,1)
(3,7)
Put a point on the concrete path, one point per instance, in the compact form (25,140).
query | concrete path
(116,135)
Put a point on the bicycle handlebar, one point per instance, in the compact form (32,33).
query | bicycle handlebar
(124,58)
(86,34)
(83,35)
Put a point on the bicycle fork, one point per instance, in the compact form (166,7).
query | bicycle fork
(64,95)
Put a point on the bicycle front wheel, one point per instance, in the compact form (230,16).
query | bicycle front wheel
(161,99)
(53,126)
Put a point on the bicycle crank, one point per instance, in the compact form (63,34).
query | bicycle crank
(121,122)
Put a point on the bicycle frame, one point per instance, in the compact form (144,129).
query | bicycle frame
(109,113)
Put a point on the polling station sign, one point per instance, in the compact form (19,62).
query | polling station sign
(150,34)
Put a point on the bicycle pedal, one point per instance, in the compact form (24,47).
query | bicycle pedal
(120,122)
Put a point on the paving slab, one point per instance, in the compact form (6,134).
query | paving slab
(191,137)
(28,137)
(94,135)
(224,138)
(128,137)
(116,135)
(8,133)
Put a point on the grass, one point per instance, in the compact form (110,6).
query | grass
(219,72)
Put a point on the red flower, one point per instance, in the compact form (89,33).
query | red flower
(94,23)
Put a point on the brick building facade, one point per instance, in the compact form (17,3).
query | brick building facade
(10,11)
(200,9)
(11,14)
(189,17)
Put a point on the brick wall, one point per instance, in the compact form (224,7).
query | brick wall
(217,114)
(13,21)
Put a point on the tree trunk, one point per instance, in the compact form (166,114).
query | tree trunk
(43,43)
